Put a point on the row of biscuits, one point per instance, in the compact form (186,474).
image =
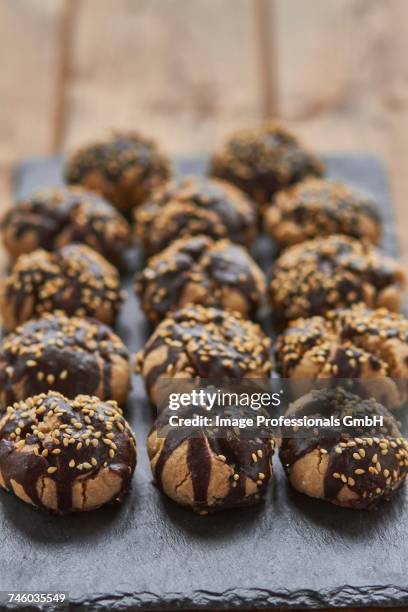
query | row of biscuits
(203,225)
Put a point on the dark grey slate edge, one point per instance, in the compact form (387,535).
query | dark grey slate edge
(345,596)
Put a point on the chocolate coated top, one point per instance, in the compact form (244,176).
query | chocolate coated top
(371,461)
(52,437)
(260,161)
(202,268)
(71,355)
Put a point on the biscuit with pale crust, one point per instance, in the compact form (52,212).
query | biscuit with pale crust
(54,217)
(66,455)
(76,280)
(72,355)
(125,168)
(357,343)
(210,470)
(316,276)
(317,207)
(195,205)
(206,343)
(355,466)
(199,270)
(263,160)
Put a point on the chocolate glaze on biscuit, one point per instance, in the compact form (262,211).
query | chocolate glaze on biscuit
(263,160)
(192,206)
(125,169)
(355,343)
(71,355)
(206,343)
(318,207)
(66,455)
(337,271)
(54,217)
(201,468)
(200,270)
(76,280)
(353,466)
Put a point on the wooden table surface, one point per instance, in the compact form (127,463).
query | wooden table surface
(189,71)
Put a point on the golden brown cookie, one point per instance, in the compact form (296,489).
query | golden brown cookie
(355,343)
(318,207)
(199,270)
(321,274)
(207,343)
(54,217)
(206,470)
(125,169)
(66,455)
(192,206)
(353,466)
(71,355)
(76,280)
(263,160)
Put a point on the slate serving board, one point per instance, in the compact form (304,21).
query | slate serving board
(150,554)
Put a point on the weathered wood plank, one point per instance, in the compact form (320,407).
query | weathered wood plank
(184,72)
(28,44)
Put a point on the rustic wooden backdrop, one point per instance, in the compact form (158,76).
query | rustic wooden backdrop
(189,71)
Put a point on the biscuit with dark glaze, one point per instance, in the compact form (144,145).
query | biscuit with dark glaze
(199,270)
(66,455)
(354,466)
(76,280)
(316,208)
(263,160)
(125,168)
(205,343)
(355,343)
(208,470)
(54,217)
(195,205)
(71,355)
(316,276)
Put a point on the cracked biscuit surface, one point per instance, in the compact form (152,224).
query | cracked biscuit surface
(71,355)
(351,343)
(337,271)
(125,168)
(199,270)
(195,205)
(263,160)
(208,470)
(54,217)
(76,280)
(208,343)
(66,455)
(354,466)
(318,207)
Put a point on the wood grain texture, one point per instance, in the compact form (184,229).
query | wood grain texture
(28,42)
(184,72)
(342,80)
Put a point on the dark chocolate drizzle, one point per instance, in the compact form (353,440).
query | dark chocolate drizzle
(60,216)
(44,422)
(213,266)
(74,280)
(264,160)
(216,345)
(76,353)
(360,446)
(331,272)
(192,206)
(248,455)
(112,160)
